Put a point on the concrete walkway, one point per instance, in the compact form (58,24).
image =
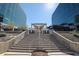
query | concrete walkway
(32,42)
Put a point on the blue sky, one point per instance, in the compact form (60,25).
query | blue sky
(38,12)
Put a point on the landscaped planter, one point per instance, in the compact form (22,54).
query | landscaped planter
(2,35)
(76,35)
(7,29)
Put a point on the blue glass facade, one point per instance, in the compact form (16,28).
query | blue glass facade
(65,13)
(12,13)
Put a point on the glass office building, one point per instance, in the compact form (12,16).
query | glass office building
(12,13)
(66,13)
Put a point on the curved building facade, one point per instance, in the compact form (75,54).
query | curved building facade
(12,13)
(66,13)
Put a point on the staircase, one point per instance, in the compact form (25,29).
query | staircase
(32,42)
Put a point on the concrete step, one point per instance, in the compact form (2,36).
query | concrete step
(16,53)
(29,46)
(43,46)
(33,40)
(23,51)
(46,48)
(63,51)
(31,43)
(32,48)
(40,48)
(29,50)
(35,44)
(60,54)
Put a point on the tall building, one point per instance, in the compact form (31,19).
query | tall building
(12,13)
(66,13)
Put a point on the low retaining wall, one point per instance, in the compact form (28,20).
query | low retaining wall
(66,42)
(4,46)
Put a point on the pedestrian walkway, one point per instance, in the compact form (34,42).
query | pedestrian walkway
(46,42)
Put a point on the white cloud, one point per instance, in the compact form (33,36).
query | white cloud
(50,6)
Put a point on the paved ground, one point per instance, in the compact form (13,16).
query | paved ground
(69,35)
(46,42)
(15,54)
(8,36)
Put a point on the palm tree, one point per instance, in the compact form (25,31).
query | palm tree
(11,25)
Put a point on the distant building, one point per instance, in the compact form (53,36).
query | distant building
(39,26)
(66,13)
(12,13)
